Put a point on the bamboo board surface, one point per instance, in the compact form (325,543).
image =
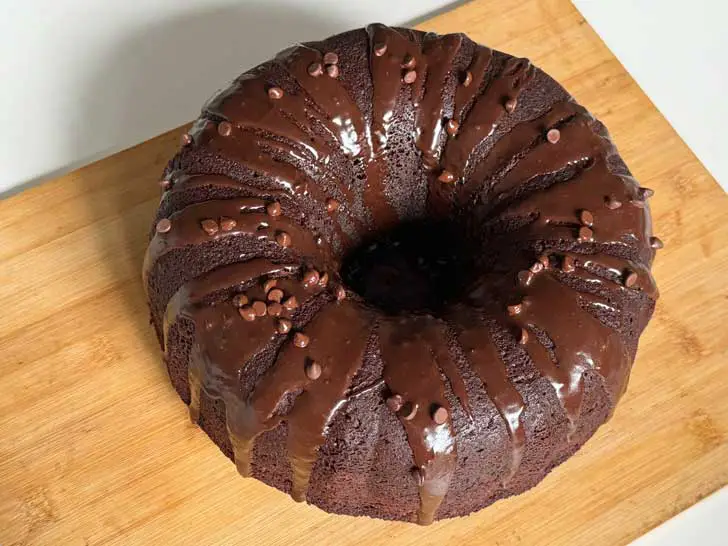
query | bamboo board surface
(96,447)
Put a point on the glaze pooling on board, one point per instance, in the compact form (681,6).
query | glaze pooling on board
(551,172)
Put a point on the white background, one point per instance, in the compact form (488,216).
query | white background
(83,78)
(677,50)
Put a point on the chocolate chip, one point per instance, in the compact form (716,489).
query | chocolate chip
(315,69)
(515,309)
(553,136)
(446,177)
(585,234)
(612,202)
(630,279)
(567,264)
(275,93)
(340,293)
(260,308)
(276,294)
(408,411)
(275,309)
(510,105)
(332,70)
(310,278)
(247,313)
(324,280)
(210,226)
(395,402)
(523,336)
(186,139)
(269,284)
(656,243)
(300,340)
(331,58)
(452,127)
(545,260)
(291,303)
(283,239)
(410,76)
(332,205)
(586,218)
(224,128)
(439,415)
(525,278)
(313,370)
(408,61)
(164,225)
(239,300)
(283,326)
(645,193)
(467,78)
(380,48)
(227,224)
(273,209)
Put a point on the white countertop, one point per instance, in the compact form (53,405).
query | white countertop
(73,72)
(700,525)
(676,51)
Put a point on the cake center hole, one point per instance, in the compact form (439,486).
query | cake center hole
(418,266)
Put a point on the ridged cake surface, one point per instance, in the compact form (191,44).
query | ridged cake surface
(399,274)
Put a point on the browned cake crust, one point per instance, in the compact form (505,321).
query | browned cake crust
(399,275)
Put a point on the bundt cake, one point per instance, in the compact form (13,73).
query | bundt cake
(399,274)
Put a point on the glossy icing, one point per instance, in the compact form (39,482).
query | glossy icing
(258,124)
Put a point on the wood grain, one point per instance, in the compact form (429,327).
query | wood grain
(95,447)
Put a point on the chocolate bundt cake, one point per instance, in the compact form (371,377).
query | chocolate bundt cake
(398,274)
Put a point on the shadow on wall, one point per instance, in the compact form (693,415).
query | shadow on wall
(146,71)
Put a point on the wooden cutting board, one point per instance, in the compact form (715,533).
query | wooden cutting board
(96,447)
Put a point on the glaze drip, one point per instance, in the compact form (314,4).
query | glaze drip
(250,220)
(411,372)
(580,341)
(486,361)
(438,54)
(485,115)
(314,408)
(386,80)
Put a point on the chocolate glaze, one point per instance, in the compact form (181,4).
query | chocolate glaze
(438,54)
(411,371)
(485,114)
(485,359)
(279,342)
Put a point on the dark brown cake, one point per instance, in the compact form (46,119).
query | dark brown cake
(399,275)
